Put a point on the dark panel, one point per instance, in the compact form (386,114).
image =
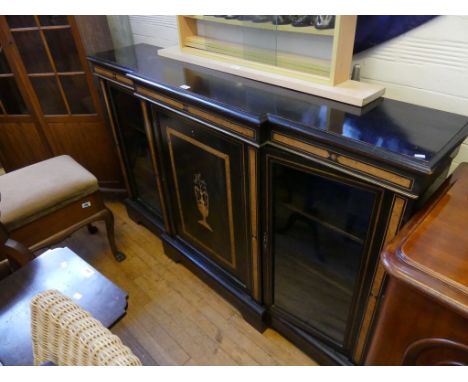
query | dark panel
(77,93)
(63,49)
(4,67)
(21,21)
(32,52)
(201,181)
(11,97)
(139,159)
(49,95)
(320,230)
(53,20)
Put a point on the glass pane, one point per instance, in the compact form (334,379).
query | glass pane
(258,39)
(129,117)
(49,95)
(301,43)
(21,21)
(63,50)
(320,230)
(32,52)
(77,93)
(4,67)
(53,20)
(10,96)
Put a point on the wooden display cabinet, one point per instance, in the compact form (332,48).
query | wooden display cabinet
(280,201)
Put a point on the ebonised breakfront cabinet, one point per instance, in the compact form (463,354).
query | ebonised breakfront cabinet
(279,200)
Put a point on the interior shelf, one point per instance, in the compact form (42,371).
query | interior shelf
(330,226)
(267,26)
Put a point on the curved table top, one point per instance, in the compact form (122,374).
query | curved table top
(431,251)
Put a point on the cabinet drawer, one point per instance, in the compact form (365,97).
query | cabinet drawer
(233,127)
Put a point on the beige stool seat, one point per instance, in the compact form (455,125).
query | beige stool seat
(37,190)
(42,204)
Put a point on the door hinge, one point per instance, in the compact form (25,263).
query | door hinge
(265,240)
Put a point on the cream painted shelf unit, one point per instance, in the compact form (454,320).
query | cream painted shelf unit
(326,77)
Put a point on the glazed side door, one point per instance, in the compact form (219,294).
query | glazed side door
(137,146)
(207,175)
(323,238)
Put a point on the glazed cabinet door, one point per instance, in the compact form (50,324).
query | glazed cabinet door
(207,171)
(321,225)
(48,102)
(17,128)
(136,142)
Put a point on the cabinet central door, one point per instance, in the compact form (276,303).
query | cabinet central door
(207,171)
(322,226)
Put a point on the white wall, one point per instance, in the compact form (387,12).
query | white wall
(427,66)
(155,30)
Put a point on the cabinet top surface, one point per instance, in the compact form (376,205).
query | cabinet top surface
(388,129)
(431,252)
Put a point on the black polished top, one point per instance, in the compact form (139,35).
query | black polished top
(407,135)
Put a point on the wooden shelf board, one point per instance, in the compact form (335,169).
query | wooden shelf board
(267,26)
(350,92)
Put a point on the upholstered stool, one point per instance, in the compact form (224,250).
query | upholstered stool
(43,203)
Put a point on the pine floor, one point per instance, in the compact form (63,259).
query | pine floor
(173,318)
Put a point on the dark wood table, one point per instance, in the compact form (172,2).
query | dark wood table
(59,269)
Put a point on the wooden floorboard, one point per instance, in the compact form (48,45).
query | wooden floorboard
(173,318)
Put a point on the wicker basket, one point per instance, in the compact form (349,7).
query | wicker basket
(65,334)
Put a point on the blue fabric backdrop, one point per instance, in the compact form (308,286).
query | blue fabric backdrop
(374,30)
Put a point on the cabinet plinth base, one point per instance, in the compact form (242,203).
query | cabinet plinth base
(251,311)
(141,216)
(319,352)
